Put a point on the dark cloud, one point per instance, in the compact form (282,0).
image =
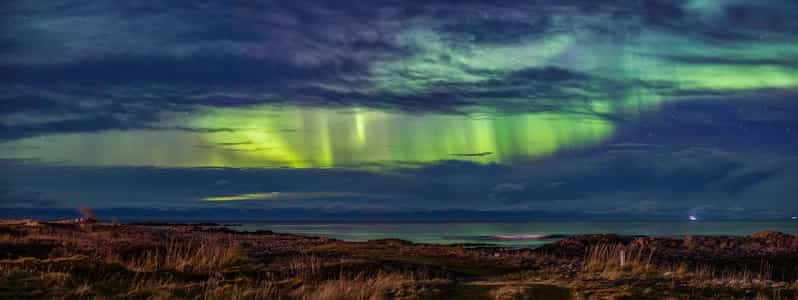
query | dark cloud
(125,66)
(473,154)
(656,181)
(25,103)
(200,69)
(14,199)
(84,124)
(740,182)
(709,60)
(764,118)
(751,20)
(683,140)
(235,143)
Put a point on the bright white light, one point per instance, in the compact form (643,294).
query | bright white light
(795,218)
(693,218)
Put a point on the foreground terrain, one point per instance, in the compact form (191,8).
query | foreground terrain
(202,261)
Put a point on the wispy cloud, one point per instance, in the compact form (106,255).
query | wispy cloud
(646,105)
(293,196)
(640,180)
(137,63)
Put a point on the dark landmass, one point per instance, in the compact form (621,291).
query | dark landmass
(307,215)
(201,261)
(162,224)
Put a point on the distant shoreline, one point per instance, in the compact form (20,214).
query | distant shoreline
(308,216)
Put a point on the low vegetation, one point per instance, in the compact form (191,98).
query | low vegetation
(112,261)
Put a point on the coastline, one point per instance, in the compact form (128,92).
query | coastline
(533,233)
(166,260)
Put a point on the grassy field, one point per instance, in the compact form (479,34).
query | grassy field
(111,261)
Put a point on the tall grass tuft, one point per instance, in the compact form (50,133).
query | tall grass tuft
(614,261)
(381,286)
(306,267)
(217,288)
(202,255)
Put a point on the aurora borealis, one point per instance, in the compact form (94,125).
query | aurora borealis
(646,107)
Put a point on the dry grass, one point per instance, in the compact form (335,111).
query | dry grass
(109,262)
(217,288)
(614,261)
(381,286)
(83,290)
(8,239)
(151,278)
(305,267)
(617,261)
(704,275)
(509,292)
(152,288)
(151,270)
(202,255)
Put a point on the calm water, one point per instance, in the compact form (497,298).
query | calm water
(514,234)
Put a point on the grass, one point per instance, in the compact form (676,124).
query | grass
(119,262)
(381,286)
(305,267)
(620,267)
(456,261)
(202,255)
(45,278)
(198,267)
(613,261)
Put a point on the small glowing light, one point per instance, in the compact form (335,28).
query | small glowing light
(693,218)
(794,218)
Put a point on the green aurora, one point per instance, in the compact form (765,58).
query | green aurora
(314,137)
(293,109)
(302,137)
(636,75)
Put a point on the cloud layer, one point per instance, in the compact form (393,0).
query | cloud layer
(611,107)
(613,181)
(72,66)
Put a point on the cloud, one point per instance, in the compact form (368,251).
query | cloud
(504,193)
(80,31)
(631,182)
(129,66)
(16,199)
(84,124)
(653,106)
(732,121)
(473,154)
(711,19)
(508,187)
(283,196)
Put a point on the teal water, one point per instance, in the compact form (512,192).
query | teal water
(515,234)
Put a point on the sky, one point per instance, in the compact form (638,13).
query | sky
(296,109)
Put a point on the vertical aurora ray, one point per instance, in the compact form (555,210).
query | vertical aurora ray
(318,137)
(311,137)
(546,87)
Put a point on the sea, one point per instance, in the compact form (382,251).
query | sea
(514,234)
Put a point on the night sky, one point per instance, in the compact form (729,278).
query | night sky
(620,109)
